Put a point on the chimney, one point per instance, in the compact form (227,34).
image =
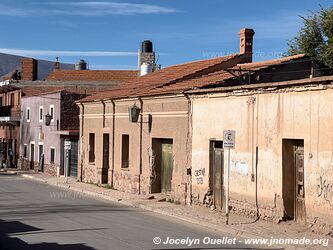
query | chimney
(246,43)
(57,65)
(29,69)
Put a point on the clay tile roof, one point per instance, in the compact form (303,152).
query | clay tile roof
(267,63)
(93,75)
(172,75)
(219,77)
(35,91)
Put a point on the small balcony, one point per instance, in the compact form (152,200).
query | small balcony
(10,115)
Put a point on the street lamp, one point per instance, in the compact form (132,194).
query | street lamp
(48,119)
(133,113)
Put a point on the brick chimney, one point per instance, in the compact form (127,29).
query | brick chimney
(246,43)
(29,69)
(56,65)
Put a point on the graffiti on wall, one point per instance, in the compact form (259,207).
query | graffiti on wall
(325,190)
(199,175)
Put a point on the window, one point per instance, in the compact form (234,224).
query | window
(52,154)
(12,99)
(1,101)
(125,151)
(25,151)
(41,114)
(28,114)
(91,147)
(52,112)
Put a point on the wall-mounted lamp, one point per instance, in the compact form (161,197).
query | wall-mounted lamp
(48,119)
(133,113)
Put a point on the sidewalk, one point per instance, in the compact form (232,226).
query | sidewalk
(239,226)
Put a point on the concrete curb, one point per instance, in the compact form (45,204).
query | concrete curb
(222,229)
(8,173)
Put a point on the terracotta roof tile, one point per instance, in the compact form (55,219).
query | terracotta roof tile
(182,77)
(167,76)
(267,63)
(93,75)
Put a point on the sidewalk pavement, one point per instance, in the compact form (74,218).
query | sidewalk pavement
(239,226)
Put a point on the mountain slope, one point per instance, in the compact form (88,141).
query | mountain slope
(8,63)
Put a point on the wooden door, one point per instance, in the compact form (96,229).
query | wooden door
(300,192)
(166,166)
(106,150)
(218,177)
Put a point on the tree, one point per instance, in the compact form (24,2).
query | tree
(315,38)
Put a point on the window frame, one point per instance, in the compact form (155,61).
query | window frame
(41,108)
(52,113)
(54,154)
(92,155)
(25,151)
(28,114)
(125,166)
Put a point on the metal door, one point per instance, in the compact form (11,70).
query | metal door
(73,158)
(166,166)
(218,177)
(300,192)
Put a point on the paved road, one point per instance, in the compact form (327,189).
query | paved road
(37,216)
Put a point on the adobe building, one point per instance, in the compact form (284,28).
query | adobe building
(151,153)
(281,165)
(163,133)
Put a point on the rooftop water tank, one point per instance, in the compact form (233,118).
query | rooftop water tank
(145,69)
(81,65)
(147,46)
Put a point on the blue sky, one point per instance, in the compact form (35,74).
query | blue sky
(107,34)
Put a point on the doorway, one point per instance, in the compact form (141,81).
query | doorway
(73,160)
(106,154)
(293,191)
(32,155)
(216,164)
(41,157)
(162,165)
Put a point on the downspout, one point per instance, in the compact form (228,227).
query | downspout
(256,157)
(103,103)
(81,142)
(113,137)
(188,187)
(140,164)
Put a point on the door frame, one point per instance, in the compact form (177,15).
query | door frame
(293,196)
(216,145)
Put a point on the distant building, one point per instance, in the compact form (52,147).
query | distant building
(10,115)
(49,122)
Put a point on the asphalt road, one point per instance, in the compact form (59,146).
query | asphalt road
(37,216)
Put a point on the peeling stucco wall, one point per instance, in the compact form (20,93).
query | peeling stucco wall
(263,119)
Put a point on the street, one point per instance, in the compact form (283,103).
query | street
(37,216)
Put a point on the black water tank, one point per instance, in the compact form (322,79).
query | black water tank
(147,46)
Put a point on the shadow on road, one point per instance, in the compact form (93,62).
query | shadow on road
(11,227)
